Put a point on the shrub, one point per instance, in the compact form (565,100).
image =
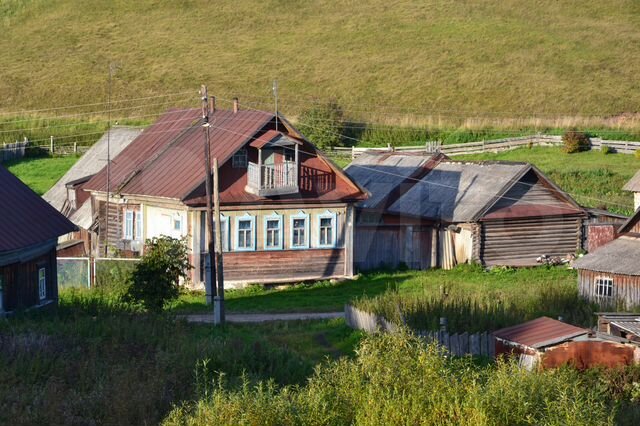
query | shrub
(636,154)
(155,279)
(605,149)
(575,142)
(323,125)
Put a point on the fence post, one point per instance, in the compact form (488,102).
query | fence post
(51,145)
(75,147)
(353,152)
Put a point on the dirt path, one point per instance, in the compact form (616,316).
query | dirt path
(249,318)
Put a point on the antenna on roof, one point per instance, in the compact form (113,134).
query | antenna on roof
(275,95)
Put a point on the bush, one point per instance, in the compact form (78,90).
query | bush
(605,149)
(155,279)
(322,125)
(575,142)
(636,154)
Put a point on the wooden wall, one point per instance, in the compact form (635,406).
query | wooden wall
(379,246)
(518,242)
(626,289)
(21,281)
(283,265)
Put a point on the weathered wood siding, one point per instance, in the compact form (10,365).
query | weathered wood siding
(21,281)
(379,246)
(625,294)
(283,265)
(518,242)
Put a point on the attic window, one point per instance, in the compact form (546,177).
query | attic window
(239,159)
(604,287)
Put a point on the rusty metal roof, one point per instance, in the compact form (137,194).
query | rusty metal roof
(540,332)
(27,219)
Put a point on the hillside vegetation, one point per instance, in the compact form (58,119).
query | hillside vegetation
(445,60)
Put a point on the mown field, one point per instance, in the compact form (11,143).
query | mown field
(445,60)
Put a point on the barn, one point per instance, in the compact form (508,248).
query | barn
(434,211)
(29,231)
(610,275)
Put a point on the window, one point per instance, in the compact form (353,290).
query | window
(273,232)
(128,225)
(138,225)
(239,159)
(177,223)
(42,283)
(604,287)
(300,231)
(245,233)
(224,232)
(327,229)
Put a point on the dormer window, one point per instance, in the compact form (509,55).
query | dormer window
(276,172)
(239,159)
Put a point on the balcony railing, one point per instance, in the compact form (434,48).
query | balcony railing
(272,179)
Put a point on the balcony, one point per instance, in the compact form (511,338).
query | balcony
(268,180)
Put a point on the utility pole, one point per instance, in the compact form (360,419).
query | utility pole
(218,310)
(275,95)
(209,261)
(112,69)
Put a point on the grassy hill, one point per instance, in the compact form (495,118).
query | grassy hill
(447,60)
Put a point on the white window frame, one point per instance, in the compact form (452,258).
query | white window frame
(128,224)
(280,242)
(299,215)
(240,159)
(334,229)
(42,283)
(252,219)
(224,227)
(605,283)
(138,227)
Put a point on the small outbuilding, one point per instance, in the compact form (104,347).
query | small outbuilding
(634,186)
(548,343)
(29,231)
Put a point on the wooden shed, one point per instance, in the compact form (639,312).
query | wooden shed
(610,275)
(431,211)
(28,235)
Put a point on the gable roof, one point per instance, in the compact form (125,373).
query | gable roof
(91,162)
(540,332)
(630,223)
(27,219)
(620,256)
(382,174)
(633,184)
(167,159)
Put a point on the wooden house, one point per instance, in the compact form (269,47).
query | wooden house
(29,230)
(427,211)
(287,211)
(548,343)
(610,275)
(634,186)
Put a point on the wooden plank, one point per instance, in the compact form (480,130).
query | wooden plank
(474,344)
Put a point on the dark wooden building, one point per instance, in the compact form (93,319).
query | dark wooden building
(29,230)
(610,275)
(286,210)
(427,210)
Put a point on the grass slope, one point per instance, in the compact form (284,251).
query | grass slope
(592,178)
(440,58)
(41,173)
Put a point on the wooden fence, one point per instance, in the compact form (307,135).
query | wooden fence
(12,151)
(17,150)
(458,344)
(496,145)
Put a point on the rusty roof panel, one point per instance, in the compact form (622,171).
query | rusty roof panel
(540,332)
(27,219)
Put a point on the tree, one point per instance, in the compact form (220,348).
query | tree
(323,125)
(156,278)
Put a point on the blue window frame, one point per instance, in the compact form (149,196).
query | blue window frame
(299,231)
(273,232)
(327,229)
(245,233)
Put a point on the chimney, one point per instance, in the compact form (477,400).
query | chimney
(235,105)
(212,104)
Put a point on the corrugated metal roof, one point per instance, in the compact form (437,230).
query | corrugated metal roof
(540,332)
(91,162)
(620,256)
(27,219)
(458,191)
(632,326)
(633,184)
(381,173)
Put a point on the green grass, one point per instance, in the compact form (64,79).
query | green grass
(441,59)
(40,174)
(592,178)
(94,363)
